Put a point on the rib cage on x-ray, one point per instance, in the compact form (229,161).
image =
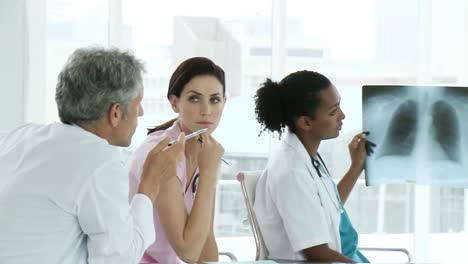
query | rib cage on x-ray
(419,132)
(401,136)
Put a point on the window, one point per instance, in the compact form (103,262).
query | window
(352,42)
(385,42)
(234,37)
(70,25)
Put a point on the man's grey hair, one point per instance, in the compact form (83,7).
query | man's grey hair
(92,80)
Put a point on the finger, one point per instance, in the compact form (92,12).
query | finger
(180,146)
(205,136)
(353,145)
(354,142)
(359,137)
(161,145)
(362,142)
(176,152)
(209,140)
(182,138)
(366,133)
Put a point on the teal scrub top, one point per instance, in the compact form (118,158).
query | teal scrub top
(348,235)
(349,238)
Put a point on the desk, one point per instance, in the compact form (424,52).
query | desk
(279,261)
(276,262)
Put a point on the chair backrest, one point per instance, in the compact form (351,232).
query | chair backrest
(248,181)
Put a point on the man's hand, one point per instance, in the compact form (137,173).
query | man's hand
(160,166)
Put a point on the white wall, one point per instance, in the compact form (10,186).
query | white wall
(12,24)
(22,64)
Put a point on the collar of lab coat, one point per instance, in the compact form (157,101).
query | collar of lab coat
(293,142)
(297,149)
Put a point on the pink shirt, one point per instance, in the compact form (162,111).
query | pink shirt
(161,251)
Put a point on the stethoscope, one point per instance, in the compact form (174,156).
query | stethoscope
(318,165)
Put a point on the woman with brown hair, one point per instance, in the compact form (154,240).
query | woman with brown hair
(184,208)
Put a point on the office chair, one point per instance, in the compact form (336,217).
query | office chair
(248,181)
(231,256)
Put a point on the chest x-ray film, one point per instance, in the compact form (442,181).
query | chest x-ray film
(421,134)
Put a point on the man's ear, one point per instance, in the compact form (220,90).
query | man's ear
(304,123)
(174,103)
(115,114)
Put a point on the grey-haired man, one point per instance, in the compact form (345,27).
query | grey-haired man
(64,187)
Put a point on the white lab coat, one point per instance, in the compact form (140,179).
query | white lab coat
(294,209)
(64,199)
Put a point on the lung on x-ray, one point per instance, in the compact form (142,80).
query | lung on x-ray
(421,134)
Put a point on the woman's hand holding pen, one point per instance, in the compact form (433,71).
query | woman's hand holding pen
(209,158)
(193,147)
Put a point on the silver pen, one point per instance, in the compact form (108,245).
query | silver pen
(194,134)
(191,135)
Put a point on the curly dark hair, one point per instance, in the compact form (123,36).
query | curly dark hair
(277,105)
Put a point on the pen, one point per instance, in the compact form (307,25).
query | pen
(194,134)
(227,163)
(369,144)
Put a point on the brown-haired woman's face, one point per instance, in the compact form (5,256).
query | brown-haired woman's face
(200,104)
